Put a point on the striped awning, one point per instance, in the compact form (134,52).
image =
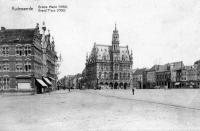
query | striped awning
(41,82)
(47,81)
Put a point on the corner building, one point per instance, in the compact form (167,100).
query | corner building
(109,65)
(22,62)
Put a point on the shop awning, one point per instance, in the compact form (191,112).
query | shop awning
(177,83)
(41,82)
(51,78)
(47,81)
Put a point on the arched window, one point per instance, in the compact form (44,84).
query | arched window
(5,50)
(19,66)
(6,82)
(116,76)
(19,50)
(124,75)
(27,66)
(6,66)
(27,50)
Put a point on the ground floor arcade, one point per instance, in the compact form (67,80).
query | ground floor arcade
(109,84)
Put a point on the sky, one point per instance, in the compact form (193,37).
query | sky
(158,31)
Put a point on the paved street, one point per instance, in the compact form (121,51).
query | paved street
(101,110)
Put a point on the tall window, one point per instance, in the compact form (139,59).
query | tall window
(19,50)
(111,75)
(99,75)
(120,76)
(124,76)
(5,66)
(1,83)
(128,75)
(27,50)
(104,57)
(19,67)
(116,76)
(105,75)
(101,67)
(5,51)
(123,58)
(0,68)
(27,66)
(104,66)
(116,66)
(6,83)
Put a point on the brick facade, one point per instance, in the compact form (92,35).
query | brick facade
(21,58)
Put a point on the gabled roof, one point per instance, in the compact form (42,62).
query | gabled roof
(154,68)
(104,51)
(197,62)
(139,71)
(17,35)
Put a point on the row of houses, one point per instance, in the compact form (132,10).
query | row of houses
(71,81)
(170,75)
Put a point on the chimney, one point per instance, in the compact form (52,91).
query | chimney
(3,28)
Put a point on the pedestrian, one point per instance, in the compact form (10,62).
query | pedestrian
(69,89)
(133,91)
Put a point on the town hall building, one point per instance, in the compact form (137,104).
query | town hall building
(109,65)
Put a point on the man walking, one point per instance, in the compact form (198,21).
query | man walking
(133,91)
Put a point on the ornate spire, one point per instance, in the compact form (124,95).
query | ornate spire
(87,56)
(37,26)
(52,38)
(115,36)
(52,41)
(43,26)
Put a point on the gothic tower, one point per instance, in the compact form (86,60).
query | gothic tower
(115,56)
(115,40)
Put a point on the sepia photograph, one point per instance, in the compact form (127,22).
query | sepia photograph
(99,65)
